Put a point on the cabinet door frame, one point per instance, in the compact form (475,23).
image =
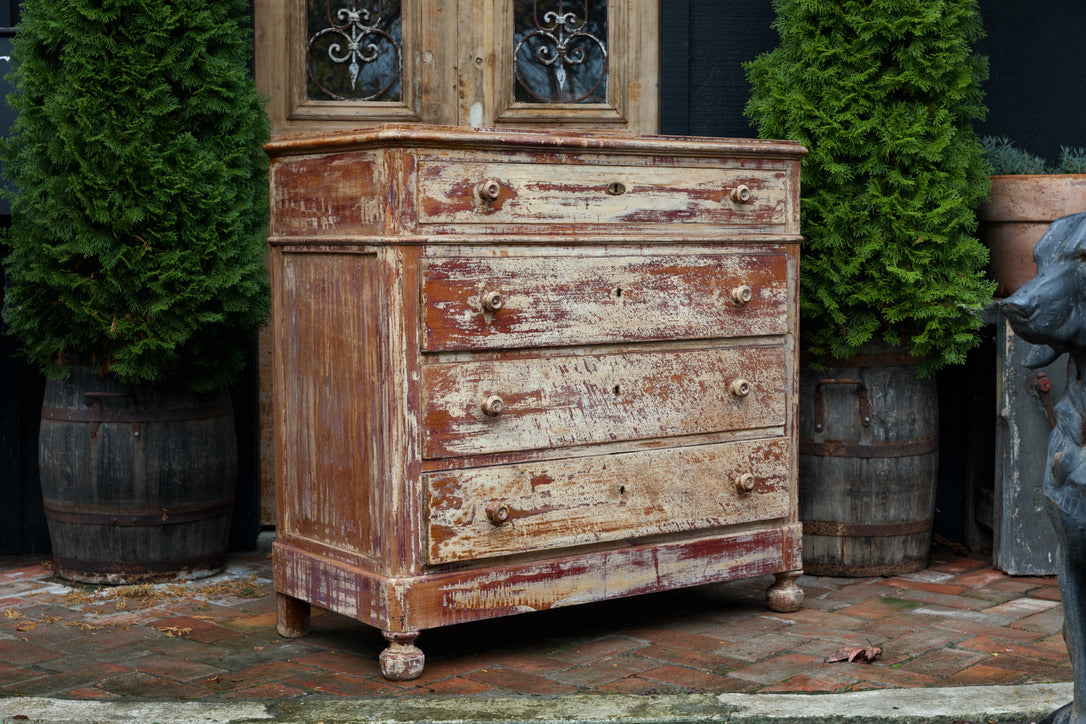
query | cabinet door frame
(457,69)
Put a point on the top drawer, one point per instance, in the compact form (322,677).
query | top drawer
(538,194)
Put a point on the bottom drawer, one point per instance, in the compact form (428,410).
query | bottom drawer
(510,509)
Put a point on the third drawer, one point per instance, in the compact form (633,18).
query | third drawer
(506,405)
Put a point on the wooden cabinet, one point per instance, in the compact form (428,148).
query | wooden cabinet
(517,370)
(482,63)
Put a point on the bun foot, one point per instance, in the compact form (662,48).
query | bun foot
(402,660)
(784,595)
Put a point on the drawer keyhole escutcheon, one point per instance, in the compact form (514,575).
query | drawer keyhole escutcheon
(486,192)
(742,294)
(741,194)
(739,387)
(744,484)
(493,406)
(492,302)
(616,188)
(497,512)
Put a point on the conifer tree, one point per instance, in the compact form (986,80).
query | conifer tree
(137,242)
(883,93)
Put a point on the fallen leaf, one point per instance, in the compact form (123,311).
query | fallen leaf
(176,631)
(853,653)
(26,626)
(12,613)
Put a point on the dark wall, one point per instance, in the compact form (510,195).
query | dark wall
(703,46)
(1036,90)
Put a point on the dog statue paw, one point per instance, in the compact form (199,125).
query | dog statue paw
(1050,310)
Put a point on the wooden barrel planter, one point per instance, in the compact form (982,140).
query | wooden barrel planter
(868,464)
(138,482)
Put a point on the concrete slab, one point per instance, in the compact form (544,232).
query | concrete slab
(982,704)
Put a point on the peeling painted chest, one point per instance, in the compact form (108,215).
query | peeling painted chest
(517,370)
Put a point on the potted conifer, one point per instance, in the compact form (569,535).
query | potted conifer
(135,267)
(883,94)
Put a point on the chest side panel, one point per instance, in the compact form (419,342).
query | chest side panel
(328,429)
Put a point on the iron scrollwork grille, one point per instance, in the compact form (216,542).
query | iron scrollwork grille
(354,51)
(560,51)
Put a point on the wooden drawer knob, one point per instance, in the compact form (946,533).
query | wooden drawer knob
(739,387)
(744,484)
(497,512)
(493,406)
(741,194)
(487,191)
(493,301)
(742,294)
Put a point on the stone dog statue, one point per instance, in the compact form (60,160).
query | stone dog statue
(1050,310)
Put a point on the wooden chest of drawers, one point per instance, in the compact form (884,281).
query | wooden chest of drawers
(517,370)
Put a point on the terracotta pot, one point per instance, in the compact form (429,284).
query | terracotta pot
(1018,214)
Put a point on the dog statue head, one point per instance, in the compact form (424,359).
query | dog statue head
(1050,309)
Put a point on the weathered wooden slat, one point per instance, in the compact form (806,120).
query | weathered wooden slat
(552,300)
(565,503)
(582,399)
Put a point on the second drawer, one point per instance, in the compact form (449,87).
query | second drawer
(542,301)
(506,405)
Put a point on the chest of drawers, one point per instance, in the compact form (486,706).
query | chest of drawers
(518,370)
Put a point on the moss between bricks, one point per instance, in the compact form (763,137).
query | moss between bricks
(899,604)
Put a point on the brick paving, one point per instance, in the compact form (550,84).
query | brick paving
(959,622)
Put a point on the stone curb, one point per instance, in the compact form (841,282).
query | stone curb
(980,704)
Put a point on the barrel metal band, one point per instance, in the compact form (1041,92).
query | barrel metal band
(167,515)
(165,568)
(866,530)
(886,449)
(101,415)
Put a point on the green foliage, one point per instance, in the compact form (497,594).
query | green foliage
(138,235)
(883,94)
(1003,157)
(1072,160)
